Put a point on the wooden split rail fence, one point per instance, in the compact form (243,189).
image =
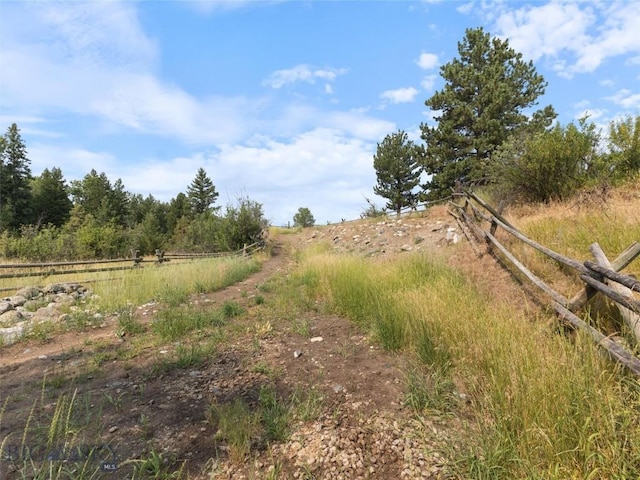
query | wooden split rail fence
(601,276)
(47,269)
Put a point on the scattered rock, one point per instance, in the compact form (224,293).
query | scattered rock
(5,306)
(10,318)
(16,316)
(316,339)
(18,300)
(452,236)
(29,292)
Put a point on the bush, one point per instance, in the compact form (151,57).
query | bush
(551,165)
(623,159)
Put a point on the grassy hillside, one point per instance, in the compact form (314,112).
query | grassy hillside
(542,404)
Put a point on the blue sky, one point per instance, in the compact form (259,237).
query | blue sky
(283,102)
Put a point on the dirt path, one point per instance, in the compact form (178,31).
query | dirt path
(357,426)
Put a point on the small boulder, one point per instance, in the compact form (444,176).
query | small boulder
(5,306)
(12,334)
(29,292)
(49,312)
(18,300)
(10,318)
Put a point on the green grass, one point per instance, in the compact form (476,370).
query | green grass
(128,324)
(174,324)
(545,406)
(245,429)
(429,390)
(236,425)
(53,435)
(274,414)
(172,284)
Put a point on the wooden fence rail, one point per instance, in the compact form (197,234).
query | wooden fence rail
(47,269)
(600,276)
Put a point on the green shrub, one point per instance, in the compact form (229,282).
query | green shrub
(550,165)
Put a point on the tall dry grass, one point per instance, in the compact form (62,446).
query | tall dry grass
(544,406)
(171,283)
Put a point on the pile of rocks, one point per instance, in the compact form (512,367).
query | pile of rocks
(388,236)
(32,305)
(376,447)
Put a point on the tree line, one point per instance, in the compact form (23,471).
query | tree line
(44,217)
(488,134)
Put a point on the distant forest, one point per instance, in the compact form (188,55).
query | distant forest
(45,217)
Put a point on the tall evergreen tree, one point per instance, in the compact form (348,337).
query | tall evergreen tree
(178,209)
(398,170)
(96,196)
(201,193)
(487,90)
(119,203)
(15,181)
(51,203)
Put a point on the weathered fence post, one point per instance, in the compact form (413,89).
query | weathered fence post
(625,258)
(630,318)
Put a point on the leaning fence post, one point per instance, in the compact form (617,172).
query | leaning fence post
(631,318)
(624,259)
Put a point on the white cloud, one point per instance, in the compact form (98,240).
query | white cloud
(297,118)
(145,104)
(358,124)
(581,104)
(401,95)
(427,61)
(302,73)
(428,82)
(321,169)
(465,8)
(104,32)
(591,113)
(547,29)
(557,28)
(74,162)
(93,59)
(633,60)
(626,99)
(207,7)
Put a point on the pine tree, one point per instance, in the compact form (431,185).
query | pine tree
(398,170)
(105,202)
(51,203)
(201,193)
(303,218)
(15,181)
(487,90)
